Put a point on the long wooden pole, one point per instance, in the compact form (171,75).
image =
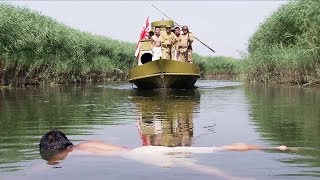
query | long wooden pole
(179,25)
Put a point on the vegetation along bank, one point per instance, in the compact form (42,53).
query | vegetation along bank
(36,49)
(286,46)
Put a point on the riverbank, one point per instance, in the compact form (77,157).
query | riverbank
(286,46)
(36,49)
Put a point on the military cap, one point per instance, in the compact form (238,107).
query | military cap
(185,27)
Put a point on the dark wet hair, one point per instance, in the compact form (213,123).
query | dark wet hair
(54,140)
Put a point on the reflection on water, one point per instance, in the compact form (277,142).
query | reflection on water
(217,113)
(166,116)
(291,116)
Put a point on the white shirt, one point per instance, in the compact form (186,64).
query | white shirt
(165,156)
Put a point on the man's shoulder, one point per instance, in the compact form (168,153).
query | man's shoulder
(183,36)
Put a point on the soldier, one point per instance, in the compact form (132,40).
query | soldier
(167,42)
(156,45)
(185,45)
(176,38)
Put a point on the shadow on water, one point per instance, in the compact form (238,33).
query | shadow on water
(291,116)
(166,116)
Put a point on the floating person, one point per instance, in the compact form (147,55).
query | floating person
(185,45)
(156,44)
(55,146)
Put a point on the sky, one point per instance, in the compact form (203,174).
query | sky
(225,26)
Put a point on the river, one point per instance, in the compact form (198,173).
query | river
(216,113)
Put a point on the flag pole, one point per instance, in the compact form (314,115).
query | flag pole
(179,25)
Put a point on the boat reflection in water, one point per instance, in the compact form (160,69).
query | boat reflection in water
(166,116)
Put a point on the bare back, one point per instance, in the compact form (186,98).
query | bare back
(98,147)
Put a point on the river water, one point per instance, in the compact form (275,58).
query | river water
(217,113)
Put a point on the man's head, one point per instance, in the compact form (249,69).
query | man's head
(157,30)
(54,140)
(177,31)
(168,29)
(185,29)
(151,33)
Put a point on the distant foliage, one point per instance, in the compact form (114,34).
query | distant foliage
(286,47)
(215,66)
(37,49)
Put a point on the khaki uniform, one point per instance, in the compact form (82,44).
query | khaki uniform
(167,44)
(185,47)
(176,48)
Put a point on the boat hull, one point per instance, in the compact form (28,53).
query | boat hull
(165,74)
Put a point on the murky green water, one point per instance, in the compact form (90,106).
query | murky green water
(217,113)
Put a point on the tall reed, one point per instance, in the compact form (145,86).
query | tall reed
(37,49)
(218,67)
(286,47)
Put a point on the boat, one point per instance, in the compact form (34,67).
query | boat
(162,73)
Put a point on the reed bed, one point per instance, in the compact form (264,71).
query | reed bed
(218,67)
(286,47)
(35,49)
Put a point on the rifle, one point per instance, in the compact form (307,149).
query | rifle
(179,25)
(188,45)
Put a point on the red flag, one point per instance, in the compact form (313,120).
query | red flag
(143,35)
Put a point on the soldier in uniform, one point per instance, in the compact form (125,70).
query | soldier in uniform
(185,45)
(176,38)
(167,44)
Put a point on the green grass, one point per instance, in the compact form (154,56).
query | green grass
(286,47)
(37,49)
(217,67)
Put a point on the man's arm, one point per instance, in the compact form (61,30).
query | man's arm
(191,38)
(247,147)
(162,39)
(241,147)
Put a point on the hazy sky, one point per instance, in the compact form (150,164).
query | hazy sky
(223,25)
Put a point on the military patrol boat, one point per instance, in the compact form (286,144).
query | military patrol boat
(162,73)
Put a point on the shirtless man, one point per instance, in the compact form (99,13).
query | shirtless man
(55,146)
(156,45)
